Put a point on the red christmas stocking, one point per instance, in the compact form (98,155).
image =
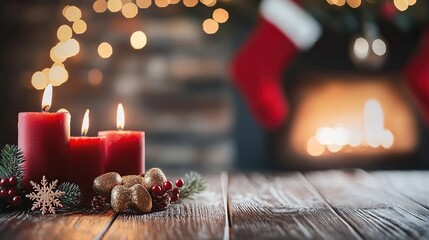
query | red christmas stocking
(284,29)
(417,74)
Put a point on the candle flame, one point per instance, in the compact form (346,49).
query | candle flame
(47,98)
(120,117)
(85,123)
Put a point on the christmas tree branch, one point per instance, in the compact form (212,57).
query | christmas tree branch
(72,197)
(11,163)
(194,183)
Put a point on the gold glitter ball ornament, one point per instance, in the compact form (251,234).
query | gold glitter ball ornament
(104,184)
(152,177)
(141,201)
(120,198)
(131,180)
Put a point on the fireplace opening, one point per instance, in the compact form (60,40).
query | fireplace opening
(349,120)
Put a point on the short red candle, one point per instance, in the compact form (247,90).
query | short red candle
(44,139)
(124,152)
(86,162)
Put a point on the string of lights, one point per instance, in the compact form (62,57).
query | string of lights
(68,46)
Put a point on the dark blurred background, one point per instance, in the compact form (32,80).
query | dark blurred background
(178,88)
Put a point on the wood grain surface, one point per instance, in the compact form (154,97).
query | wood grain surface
(282,206)
(20,225)
(413,184)
(351,204)
(370,207)
(200,218)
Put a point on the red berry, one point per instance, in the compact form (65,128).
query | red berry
(174,197)
(167,185)
(3,193)
(179,183)
(176,191)
(11,193)
(12,181)
(16,201)
(4,182)
(157,190)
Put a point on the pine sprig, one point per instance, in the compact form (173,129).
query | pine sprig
(11,163)
(194,183)
(72,197)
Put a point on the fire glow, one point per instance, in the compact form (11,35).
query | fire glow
(371,133)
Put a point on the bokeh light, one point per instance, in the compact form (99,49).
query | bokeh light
(401,5)
(190,3)
(95,77)
(162,3)
(220,15)
(379,47)
(138,40)
(54,57)
(72,13)
(64,33)
(130,10)
(58,75)
(208,3)
(210,26)
(174,1)
(314,148)
(143,3)
(100,6)
(39,80)
(354,3)
(361,48)
(114,5)
(79,26)
(105,50)
(71,47)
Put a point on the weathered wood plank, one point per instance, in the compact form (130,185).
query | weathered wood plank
(413,184)
(281,207)
(200,218)
(20,225)
(370,207)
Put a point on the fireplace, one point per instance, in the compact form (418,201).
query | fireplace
(349,120)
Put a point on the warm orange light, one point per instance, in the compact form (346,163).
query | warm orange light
(220,15)
(85,123)
(100,6)
(210,26)
(105,50)
(79,26)
(64,33)
(143,3)
(47,98)
(120,117)
(130,10)
(39,80)
(73,13)
(190,3)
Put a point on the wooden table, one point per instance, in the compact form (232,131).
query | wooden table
(350,204)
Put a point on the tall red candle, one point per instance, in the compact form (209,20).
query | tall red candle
(44,139)
(86,160)
(124,150)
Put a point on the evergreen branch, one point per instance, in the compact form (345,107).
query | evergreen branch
(72,197)
(11,163)
(194,183)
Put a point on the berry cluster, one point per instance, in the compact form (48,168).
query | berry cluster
(8,191)
(162,196)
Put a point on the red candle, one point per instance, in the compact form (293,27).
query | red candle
(86,160)
(124,150)
(44,139)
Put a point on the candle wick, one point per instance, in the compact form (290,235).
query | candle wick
(46,108)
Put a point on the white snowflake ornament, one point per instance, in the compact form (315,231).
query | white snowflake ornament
(45,197)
